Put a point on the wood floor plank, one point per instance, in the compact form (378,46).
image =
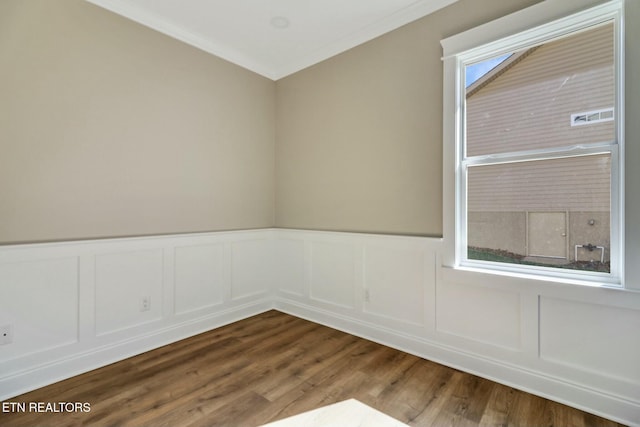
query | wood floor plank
(308,394)
(499,406)
(274,365)
(418,393)
(437,401)
(302,364)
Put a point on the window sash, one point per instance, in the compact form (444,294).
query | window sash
(462,205)
(542,154)
(477,51)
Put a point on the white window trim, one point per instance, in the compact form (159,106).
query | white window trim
(540,23)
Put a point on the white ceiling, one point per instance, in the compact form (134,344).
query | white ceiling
(243,31)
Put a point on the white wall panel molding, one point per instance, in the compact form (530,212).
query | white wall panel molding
(535,335)
(123,281)
(333,273)
(290,278)
(394,284)
(76,306)
(198,277)
(251,265)
(574,344)
(480,314)
(384,279)
(589,343)
(39,302)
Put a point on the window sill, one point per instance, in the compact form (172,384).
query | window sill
(506,277)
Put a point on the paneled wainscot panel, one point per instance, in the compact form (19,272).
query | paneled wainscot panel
(478,313)
(39,299)
(394,283)
(289,266)
(199,277)
(252,262)
(591,337)
(77,306)
(332,273)
(123,280)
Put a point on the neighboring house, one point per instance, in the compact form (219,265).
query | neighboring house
(558,94)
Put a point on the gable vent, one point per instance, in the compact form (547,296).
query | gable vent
(590,117)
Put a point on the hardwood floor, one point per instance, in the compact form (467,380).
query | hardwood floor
(274,365)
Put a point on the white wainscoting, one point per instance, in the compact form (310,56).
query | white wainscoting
(75,306)
(39,299)
(575,344)
(123,279)
(199,278)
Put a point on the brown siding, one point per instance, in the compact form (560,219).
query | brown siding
(573,184)
(530,105)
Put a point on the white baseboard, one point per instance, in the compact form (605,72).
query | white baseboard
(76,306)
(574,395)
(78,363)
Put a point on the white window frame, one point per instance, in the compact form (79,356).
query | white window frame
(543,22)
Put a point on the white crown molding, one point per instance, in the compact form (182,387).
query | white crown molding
(409,14)
(274,71)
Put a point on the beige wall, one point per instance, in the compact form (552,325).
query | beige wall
(359,136)
(108,128)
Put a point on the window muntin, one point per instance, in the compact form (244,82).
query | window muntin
(519,148)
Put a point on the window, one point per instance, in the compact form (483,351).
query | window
(538,149)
